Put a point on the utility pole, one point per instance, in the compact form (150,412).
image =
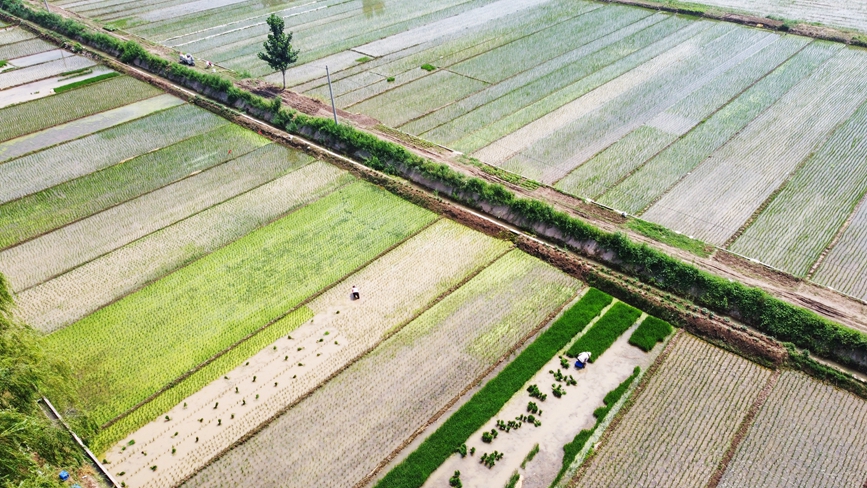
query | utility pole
(46,5)
(331,92)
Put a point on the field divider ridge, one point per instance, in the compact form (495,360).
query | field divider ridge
(393,331)
(272,322)
(743,428)
(548,320)
(190,175)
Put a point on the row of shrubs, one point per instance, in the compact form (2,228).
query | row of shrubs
(755,307)
(605,331)
(572,449)
(419,465)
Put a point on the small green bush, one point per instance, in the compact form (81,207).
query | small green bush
(428,67)
(390,79)
(651,331)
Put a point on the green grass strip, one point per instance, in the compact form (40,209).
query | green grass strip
(572,449)
(666,236)
(168,399)
(419,465)
(651,331)
(129,350)
(605,331)
(95,79)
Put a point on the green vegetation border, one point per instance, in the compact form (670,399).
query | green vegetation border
(422,462)
(752,306)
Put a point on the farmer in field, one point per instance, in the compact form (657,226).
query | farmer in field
(582,360)
(355,294)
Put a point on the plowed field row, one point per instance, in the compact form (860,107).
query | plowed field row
(682,423)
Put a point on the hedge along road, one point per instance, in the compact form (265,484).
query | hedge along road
(395,288)
(127,351)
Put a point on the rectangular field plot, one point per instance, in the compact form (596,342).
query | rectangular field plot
(395,288)
(656,176)
(59,134)
(83,290)
(597,175)
(41,212)
(718,197)
(127,351)
(37,115)
(682,422)
(843,267)
(601,118)
(847,15)
(807,433)
(45,70)
(44,169)
(813,204)
(25,48)
(455,341)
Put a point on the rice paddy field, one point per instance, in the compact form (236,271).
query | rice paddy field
(706,412)
(746,139)
(196,275)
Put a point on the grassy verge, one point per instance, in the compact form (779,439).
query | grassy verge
(419,465)
(666,236)
(572,449)
(124,353)
(502,174)
(166,400)
(605,331)
(651,331)
(89,81)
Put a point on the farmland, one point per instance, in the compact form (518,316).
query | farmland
(194,275)
(791,439)
(711,129)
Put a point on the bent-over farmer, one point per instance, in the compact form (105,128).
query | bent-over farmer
(355,294)
(582,359)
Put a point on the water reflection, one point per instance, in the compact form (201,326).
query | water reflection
(373,7)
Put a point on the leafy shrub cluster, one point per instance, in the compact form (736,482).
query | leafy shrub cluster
(573,448)
(605,331)
(770,315)
(419,465)
(32,448)
(651,331)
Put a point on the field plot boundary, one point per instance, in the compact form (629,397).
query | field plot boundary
(391,333)
(199,366)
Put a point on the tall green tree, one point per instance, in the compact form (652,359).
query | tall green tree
(278,48)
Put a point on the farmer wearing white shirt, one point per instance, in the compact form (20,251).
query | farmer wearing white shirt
(355,294)
(582,360)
